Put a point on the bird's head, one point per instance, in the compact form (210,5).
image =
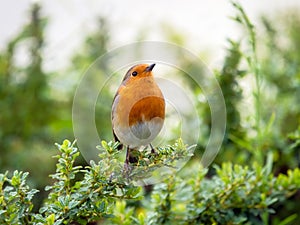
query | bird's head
(138,71)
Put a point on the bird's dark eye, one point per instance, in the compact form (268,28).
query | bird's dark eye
(134,73)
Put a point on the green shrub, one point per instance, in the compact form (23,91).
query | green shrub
(235,195)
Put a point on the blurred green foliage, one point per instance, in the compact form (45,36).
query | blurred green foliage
(264,130)
(95,45)
(27,109)
(281,67)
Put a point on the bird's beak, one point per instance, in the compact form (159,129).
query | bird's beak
(150,68)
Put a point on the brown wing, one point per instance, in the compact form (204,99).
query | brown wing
(120,146)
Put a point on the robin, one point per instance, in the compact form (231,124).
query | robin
(138,110)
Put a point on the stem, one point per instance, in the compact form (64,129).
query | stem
(254,67)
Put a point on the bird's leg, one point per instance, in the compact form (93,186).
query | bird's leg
(127,158)
(127,166)
(153,151)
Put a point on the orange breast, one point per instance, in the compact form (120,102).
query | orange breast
(139,101)
(147,109)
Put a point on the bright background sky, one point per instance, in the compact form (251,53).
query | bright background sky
(206,24)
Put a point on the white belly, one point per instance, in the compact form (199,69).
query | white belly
(140,134)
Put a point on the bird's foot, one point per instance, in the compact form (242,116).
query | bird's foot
(153,151)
